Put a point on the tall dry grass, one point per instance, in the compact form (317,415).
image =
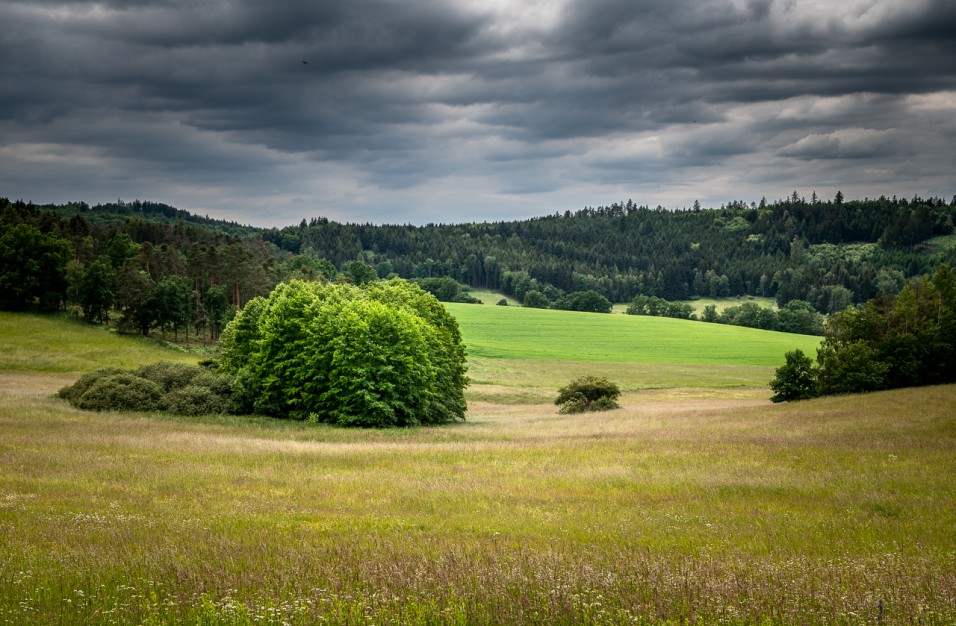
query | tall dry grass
(683,506)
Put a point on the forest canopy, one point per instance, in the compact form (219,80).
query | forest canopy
(171,270)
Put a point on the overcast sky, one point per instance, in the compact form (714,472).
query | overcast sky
(416,111)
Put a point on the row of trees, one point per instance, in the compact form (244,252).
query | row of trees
(891,341)
(829,253)
(169,276)
(796,316)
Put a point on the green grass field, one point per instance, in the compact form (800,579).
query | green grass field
(541,334)
(698,501)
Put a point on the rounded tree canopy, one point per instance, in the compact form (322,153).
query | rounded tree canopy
(383,354)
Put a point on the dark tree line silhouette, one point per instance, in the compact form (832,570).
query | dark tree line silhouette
(164,269)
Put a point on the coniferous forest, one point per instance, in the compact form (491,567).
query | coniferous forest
(167,270)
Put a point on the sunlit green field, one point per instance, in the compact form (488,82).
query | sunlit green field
(540,334)
(694,503)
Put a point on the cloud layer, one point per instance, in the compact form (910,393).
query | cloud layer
(468,110)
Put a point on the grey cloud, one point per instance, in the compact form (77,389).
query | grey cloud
(852,145)
(398,100)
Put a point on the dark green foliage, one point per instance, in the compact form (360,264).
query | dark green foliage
(588,393)
(133,287)
(121,247)
(799,317)
(32,267)
(359,273)
(891,341)
(246,388)
(72,393)
(853,368)
(749,314)
(587,301)
(169,304)
(536,300)
(447,290)
(195,400)
(96,292)
(827,253)
(502,302)
(121,392)
(216,304)
(169,375)
(180,388)
(652,305)
(219,384)
(796,316)
(309,267)
(387,354)
(796,380)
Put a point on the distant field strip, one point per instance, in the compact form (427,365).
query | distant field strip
(494,332)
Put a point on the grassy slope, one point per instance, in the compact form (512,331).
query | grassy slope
(671,508)
(523,355)
(58,344)
(540,334)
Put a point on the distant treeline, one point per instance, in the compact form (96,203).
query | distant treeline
(829,253)
(795,316)
(166,269)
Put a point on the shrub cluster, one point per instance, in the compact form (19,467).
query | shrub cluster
(896,341)
(588,393)
(162,386)
(588,301)
(383,354)
(659,307)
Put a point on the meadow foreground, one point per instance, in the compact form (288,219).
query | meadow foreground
(702,503)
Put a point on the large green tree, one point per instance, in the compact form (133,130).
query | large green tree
(387,354)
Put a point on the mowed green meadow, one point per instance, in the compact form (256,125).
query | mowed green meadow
(500,332)
(697,502)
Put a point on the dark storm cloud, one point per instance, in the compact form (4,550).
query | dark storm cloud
(410,110)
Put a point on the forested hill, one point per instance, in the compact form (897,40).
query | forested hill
(829,252)
(115,213)
(818,251)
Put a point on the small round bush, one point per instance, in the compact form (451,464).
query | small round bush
(169,375)
(588,393)
(72,393)
(122,392)
(194,400)
(576,403)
